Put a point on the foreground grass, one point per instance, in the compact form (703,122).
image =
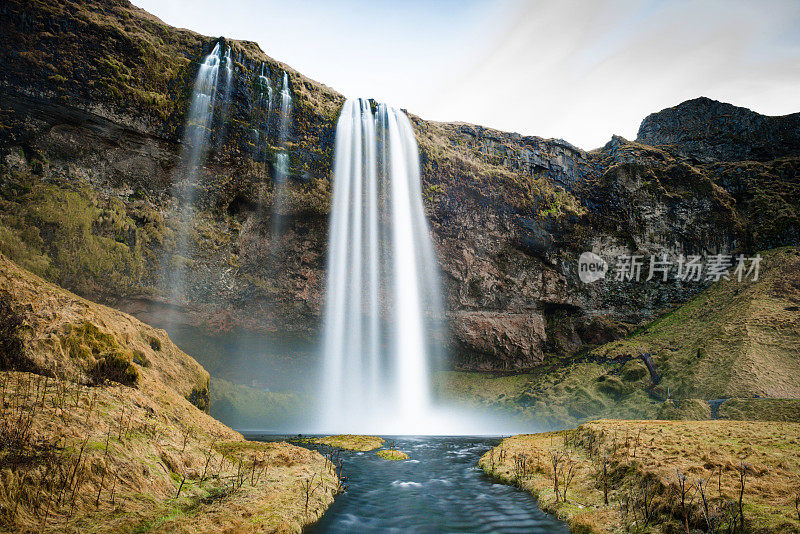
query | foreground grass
(615,475)
(350,442)
(109,458)
(103,428)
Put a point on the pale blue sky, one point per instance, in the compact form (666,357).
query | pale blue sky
(580,70)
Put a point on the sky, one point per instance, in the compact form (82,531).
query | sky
(579,70)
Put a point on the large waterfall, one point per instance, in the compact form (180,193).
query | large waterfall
(383,303)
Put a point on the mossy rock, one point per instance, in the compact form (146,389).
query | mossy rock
(611,385)
(86,342)
(101,355)
(392,454)
(633,371)
(583,404)
(201,398)
(115,367)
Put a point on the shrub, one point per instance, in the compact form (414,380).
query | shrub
(11,348)
(116,367)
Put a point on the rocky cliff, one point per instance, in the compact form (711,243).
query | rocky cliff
(94,95)
(706,130)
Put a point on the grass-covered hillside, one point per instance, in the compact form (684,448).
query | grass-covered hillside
(104,427)
(737,340)
(660,476)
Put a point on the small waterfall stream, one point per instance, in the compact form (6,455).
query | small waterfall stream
(265,107)
(282,157)
(225,87)
(196,137)
(200,115)
(383,302)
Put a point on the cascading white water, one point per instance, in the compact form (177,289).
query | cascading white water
(286,109)
(226,87)
(201,111)
(195,143)
(265,107)
(282,157)
(282,167)
(383,306)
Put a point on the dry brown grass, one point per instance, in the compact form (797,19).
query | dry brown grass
(644,461)
(82,454)
(66,335)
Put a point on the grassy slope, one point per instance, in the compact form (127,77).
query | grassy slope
(81,452)
(653,451)
(732,340)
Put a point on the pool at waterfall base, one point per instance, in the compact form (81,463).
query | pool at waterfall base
(440,488)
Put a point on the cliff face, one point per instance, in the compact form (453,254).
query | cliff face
(707,130)
(94,95)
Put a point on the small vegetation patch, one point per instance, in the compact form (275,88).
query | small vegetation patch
(101,354)
(348,441)
(11,348)
(116,367)
(392,454)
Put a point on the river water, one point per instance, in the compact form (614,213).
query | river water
(439,489)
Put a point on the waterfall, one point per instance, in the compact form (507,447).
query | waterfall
(226,88)
(193,153)
(201,111)
(383,304)
(265,107)
(282,170)
(282,157)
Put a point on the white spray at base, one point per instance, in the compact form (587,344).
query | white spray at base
(383,308)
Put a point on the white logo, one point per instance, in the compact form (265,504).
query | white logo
(591,267)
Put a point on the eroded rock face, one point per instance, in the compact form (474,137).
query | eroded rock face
(707,130)
(95,155)
(510,340)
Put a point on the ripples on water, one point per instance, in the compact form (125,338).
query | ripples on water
(441,489)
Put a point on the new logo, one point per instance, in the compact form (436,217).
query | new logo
(591,267)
